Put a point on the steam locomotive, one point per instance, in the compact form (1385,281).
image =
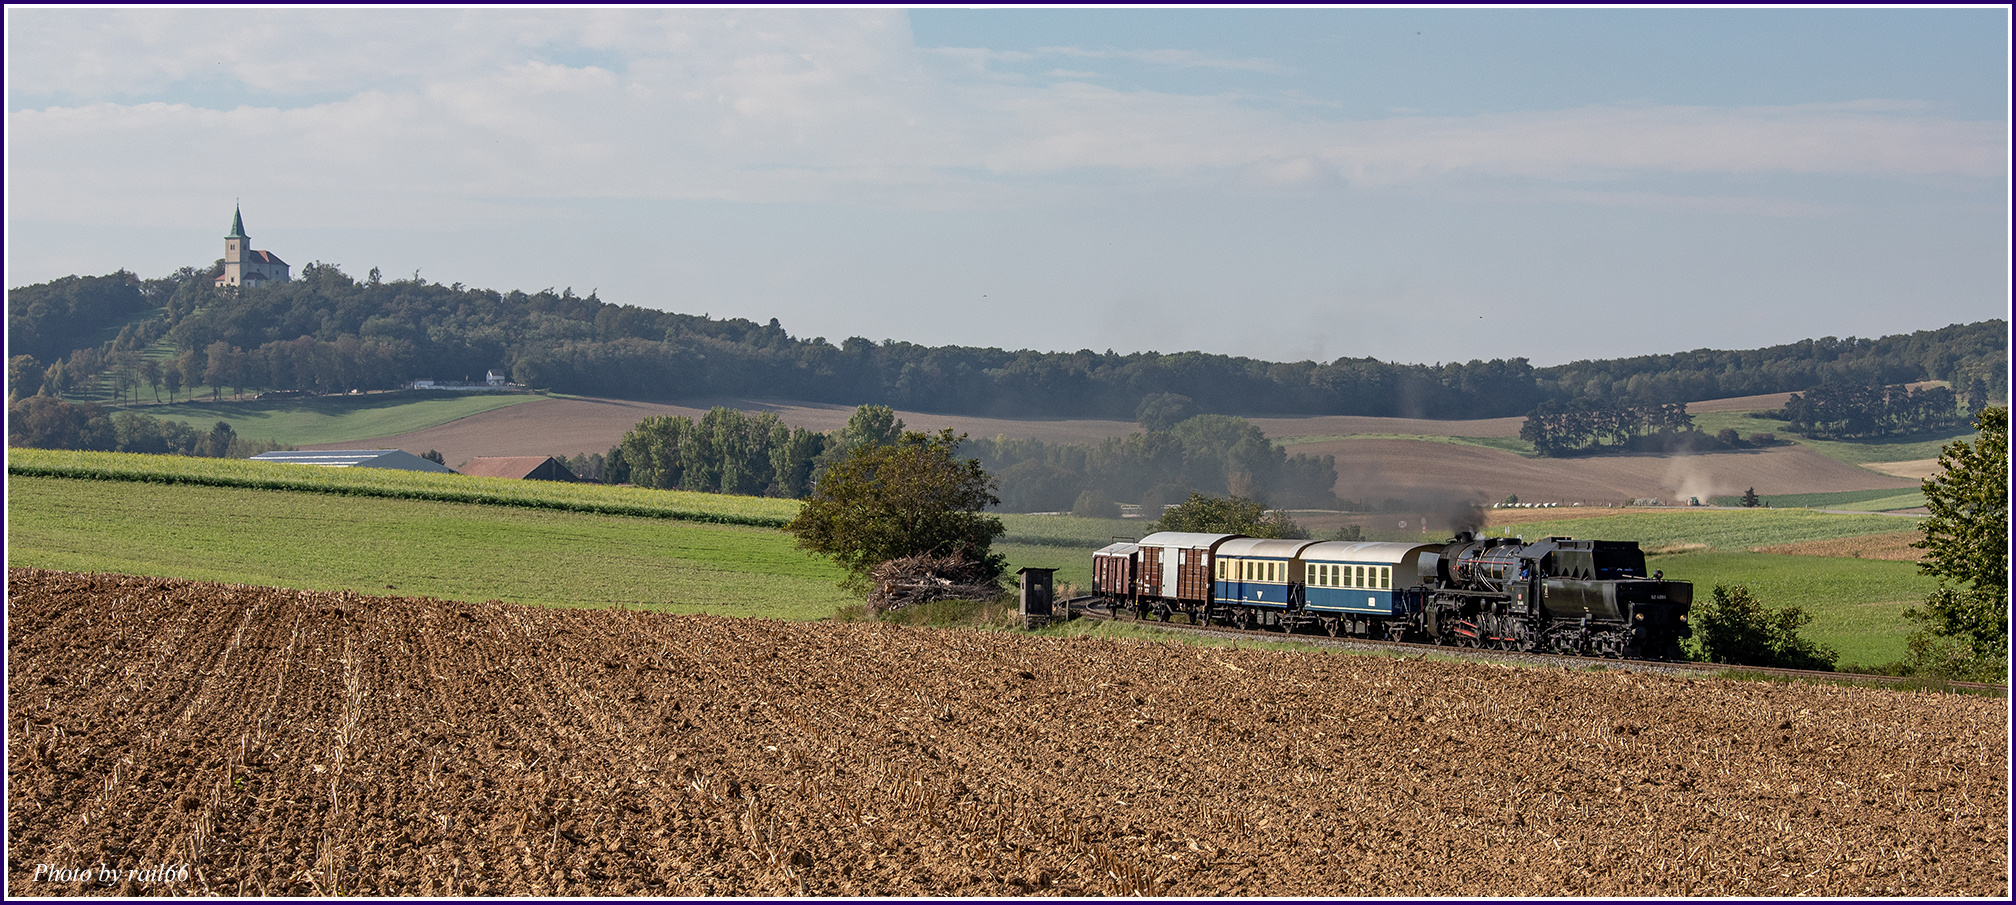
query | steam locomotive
(1558,594)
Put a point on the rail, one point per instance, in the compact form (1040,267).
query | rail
(1084,606)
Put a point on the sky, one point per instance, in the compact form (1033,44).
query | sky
(1411,185)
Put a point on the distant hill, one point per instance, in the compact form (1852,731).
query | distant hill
(327,332)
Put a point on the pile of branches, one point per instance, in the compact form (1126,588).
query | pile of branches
(924,578)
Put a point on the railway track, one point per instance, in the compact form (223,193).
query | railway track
(1082,606)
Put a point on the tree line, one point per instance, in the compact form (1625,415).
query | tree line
(1834,411)
(1556,430)
(45,422)
(329,332)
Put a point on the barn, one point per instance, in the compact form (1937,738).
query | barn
(528,468)
(355,458)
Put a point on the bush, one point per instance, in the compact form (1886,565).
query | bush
(1093,504)
(1738,629)
(912,498)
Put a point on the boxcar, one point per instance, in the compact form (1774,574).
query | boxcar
(1113,570)
(1173,572)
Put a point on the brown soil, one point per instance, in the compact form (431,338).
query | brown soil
(1376,469)
(1367,469)
(295,743)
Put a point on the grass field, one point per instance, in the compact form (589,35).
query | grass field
(377,534)
(1508,444)
(335,419)
(1713,529)
(414,548)
(396,484)
(1858,500)
(1857,605)
(1853,452)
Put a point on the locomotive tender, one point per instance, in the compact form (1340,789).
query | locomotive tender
(1558,594)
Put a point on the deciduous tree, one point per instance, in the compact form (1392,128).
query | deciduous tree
(1967,541)
(913,497)
(1226,515)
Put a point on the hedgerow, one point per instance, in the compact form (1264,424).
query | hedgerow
(410,485)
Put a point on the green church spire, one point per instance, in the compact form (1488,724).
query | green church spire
(237,224)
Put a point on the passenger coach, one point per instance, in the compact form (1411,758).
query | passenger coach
(1366,588)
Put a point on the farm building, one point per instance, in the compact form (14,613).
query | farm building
(530,468)
(355,458)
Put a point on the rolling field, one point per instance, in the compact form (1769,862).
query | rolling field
(455,551)
(1377,458)
(327,419)
(541,548)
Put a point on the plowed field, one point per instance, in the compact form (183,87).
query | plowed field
(268,742)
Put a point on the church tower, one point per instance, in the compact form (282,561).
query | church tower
(244,266)
(234,248)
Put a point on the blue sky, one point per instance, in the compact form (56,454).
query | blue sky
(1411,185)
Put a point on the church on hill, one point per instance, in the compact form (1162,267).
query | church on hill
(242,265)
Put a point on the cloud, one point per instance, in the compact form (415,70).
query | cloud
(460,112)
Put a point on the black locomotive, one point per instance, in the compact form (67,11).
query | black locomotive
(1558,594)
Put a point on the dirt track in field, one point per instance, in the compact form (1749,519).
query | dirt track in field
(293,743)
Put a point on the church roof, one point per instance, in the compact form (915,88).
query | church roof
(265,257)
(237,224)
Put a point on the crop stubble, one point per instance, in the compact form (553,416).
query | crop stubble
(286,742)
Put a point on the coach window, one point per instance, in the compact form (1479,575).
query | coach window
(1386,578)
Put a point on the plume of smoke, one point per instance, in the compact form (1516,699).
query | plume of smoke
(1442,509)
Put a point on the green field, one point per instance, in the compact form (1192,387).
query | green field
(406,485)
(1857,605)
(334,419)
(1726,530)
(1853,452)
(376,545)
(1508,444)
(1857,500)
(374,531)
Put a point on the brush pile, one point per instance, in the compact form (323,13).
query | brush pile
(919,579)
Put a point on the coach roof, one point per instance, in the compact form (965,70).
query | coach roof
(1263,546)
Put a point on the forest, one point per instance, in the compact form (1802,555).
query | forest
(329,332)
